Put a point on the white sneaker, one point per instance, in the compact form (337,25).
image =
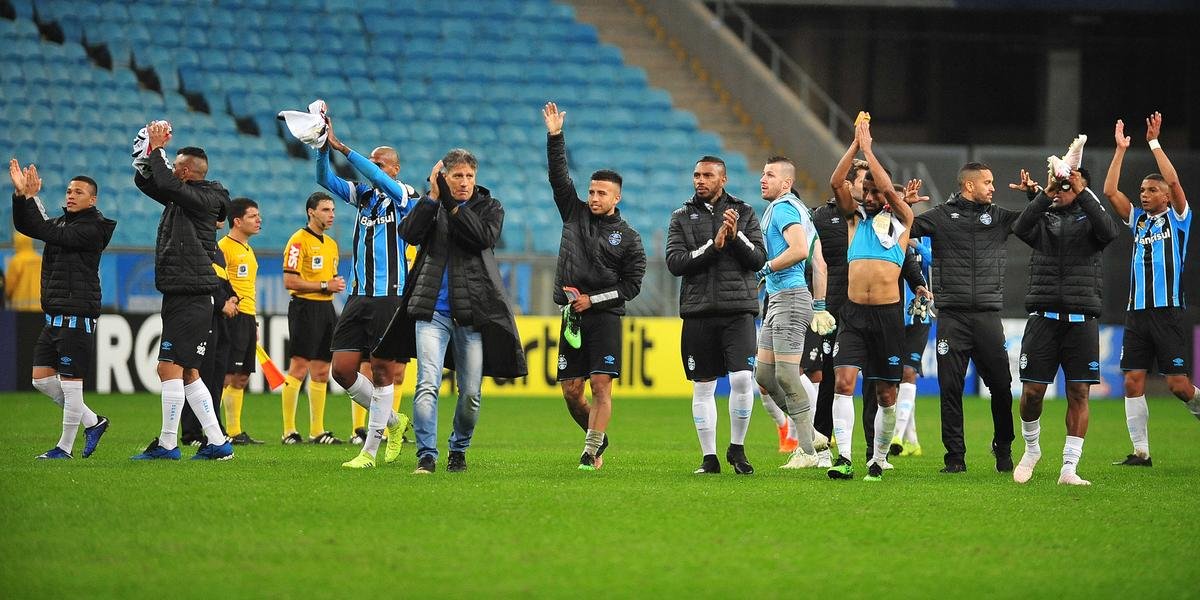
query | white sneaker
(824,459)
(1024,470)
(1071,479)
(800,460)
(885,465)
(820,442)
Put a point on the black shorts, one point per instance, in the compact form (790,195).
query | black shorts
(243,338)
(817,349)
(1048,344)
(363,321)
(310,328)
(186,322)
(1155,334)
(66,344)
(916,337)
(871,339)
(711,347)
(600,350)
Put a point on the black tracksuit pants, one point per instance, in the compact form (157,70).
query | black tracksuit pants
(977,336)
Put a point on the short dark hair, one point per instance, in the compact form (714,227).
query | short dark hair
(239,206)
(195,151)
(459,156)
(315,199)
(780,159)
(855,167)
(871,177)
(607,175)
(708,158)
(89,181)
(1156,177)
(1086,175)
(971,167)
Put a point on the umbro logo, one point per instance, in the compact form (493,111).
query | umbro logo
(610,359)
(1178,362)
(1094,366)
(953,215)
(893,360)
(835,220)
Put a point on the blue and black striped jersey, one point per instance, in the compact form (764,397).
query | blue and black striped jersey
(1159,250)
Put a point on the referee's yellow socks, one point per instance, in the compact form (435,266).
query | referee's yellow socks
(232,401)
(397,396)
(316,407)
(291,397)
(358,416)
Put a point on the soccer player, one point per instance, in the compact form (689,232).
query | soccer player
(715,244)
(184,274)
(70,291)
(216,355)
(968,233)
(378,274)
(310,261)
(241,267)
(1154,323)
(455,300)
(602,260)
(918,321)
(789,239)
(1068,230)
(870,336)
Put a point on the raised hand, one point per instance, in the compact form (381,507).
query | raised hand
(553,118)
(1153,126)
(33,183)
(862,133)
(332,140)
(433,180)
(1119,133)
(18,177)
(1026,184)
(159,133)
(912,191)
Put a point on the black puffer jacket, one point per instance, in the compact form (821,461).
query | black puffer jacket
(187,243)
(1065,272)
(600,255)
(969,251)
(71,258)
(463,242)
(715,282)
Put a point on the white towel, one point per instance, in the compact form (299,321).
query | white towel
(1060,168)
(141,150)
(308,127)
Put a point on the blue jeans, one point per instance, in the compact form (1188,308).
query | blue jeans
(433,337)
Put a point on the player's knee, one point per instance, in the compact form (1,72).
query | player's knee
(1180,386)
(741,382)
(764,376)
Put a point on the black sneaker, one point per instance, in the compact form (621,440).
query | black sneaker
(587,462)
(457,462)
(874,472)
(1003,454)
(954,468)
(603,446)
(841,469)
(360,436)
(895,449)
(243,439)
(735,455)
(292,439)
(426,465)
(709,466)
(1134,460)
(326,438)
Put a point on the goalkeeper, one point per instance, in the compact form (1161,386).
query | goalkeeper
(791,240)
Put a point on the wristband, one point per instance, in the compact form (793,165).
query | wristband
(324,286)
(818,305)
(1154,145)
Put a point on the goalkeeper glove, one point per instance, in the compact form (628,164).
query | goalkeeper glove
(822,322)
(764,271)
(920,308)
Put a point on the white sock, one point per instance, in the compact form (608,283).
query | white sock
(1072,452)
(378,417)
(387,392)
(51,387)
(73,406)
(843,423)
(910,432)
(1194,404)
(1137,416)
(906,400)
(776,413)
(810,388)
(704,413)
(361,391)
(172,409)
(741,405)
(201,402)
(1031,431)
(885,428)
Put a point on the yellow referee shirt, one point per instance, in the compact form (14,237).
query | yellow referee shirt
(242,269)
(313,257)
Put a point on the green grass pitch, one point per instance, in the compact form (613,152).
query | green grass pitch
(288,521)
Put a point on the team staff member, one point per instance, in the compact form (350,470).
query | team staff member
(1154,321)
(183,272)
(1068,230)
(378,274)
(310,261)
(602,258)
(241,267)
(70,293)
(969,234)
(715,244)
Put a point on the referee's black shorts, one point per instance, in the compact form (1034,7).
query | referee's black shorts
(243,338)
(310,328)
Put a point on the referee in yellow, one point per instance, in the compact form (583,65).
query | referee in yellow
(242,268)
(310,262)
